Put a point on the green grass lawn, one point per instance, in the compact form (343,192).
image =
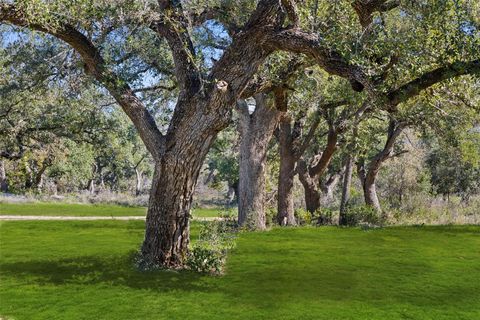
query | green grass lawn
(65,209)
(83,270)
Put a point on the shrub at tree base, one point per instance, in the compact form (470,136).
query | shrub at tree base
(208,254)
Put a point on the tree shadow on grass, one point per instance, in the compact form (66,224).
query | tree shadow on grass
(109,270)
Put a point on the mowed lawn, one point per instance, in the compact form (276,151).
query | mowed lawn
(66,209)
(83,270)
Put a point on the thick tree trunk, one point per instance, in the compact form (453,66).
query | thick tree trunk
(256,130)
(167,225)
(3,178)
(285,207)
(347,182)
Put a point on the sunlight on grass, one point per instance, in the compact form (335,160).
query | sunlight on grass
(84,270)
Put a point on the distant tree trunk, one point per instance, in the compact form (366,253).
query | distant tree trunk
(210,176)
(138,176)
(285,208)
(309,174)
(232,193)
(28,176)
(347,182)
(3,177)
(91,186)
(101,185)
(138,181)
(328,187)
(347,177)
(310,186)
(370,193)
(370,175)
(91,181)
(256,130)
(38,181)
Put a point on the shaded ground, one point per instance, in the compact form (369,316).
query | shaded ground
(83,270)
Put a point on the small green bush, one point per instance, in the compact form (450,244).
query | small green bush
(362,214)
(270,216)
(204,259)
(209,252)
(324,217)
(303,217)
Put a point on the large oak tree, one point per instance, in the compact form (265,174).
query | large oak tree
(206,96)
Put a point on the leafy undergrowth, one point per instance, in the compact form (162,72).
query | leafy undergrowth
(84,270)
(67,209)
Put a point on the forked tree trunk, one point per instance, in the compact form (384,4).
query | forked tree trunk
(285,205)
(256,131)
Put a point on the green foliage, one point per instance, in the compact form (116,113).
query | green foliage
(208,254)
(203,259)
(271,216)
(324,217)
(303,217)
(362,215)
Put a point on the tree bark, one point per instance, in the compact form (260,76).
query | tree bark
(256,131)
(175,177)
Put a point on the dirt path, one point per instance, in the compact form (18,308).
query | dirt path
(87,218)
